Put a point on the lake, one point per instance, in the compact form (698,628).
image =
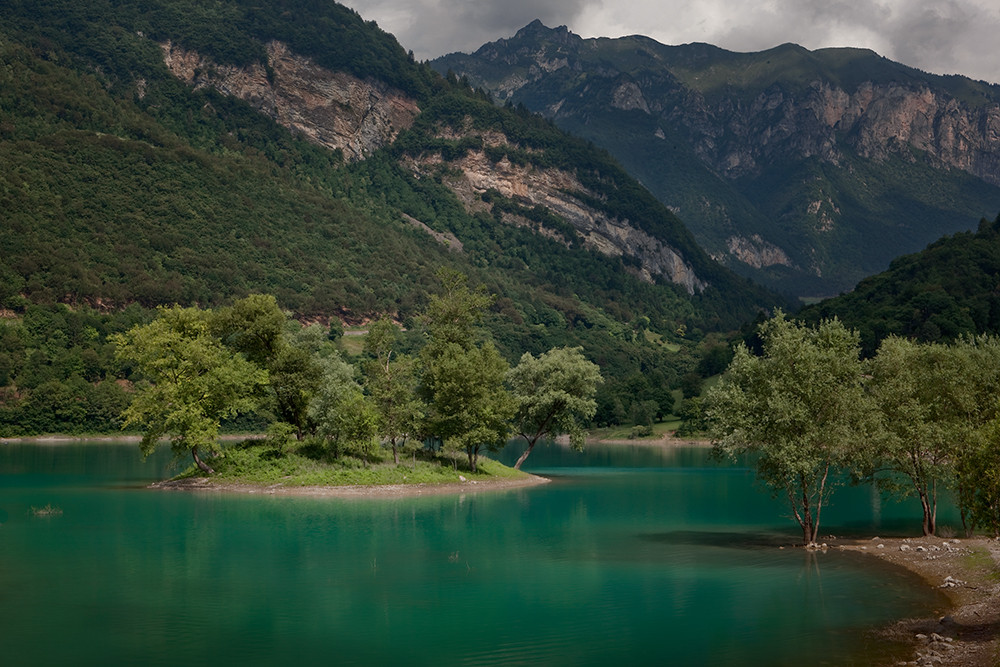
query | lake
(631,555)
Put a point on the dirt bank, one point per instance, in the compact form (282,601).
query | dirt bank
(967,571)
(385,491)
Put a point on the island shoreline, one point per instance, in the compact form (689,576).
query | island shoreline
(350,490)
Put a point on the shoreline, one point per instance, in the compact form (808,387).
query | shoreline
(349,491)
(965,632)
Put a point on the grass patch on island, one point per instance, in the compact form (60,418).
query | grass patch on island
(311,464)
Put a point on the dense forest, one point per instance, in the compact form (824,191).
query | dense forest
(124,189)
(948,290)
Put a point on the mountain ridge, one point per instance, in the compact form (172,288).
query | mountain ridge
(806,170)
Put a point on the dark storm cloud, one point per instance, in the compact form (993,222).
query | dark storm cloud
(941,36)
(431,28)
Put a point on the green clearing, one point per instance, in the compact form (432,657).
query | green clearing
(624,432)
(257,462)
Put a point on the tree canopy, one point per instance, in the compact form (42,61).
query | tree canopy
(554,394)
(192,381)
(799,409)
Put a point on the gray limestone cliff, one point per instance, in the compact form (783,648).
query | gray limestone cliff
(333,109)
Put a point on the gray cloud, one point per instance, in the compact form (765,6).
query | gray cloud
(432,28)
(940,36)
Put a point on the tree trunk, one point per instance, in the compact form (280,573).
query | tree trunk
(395,453)
(201,464)
(928,523)
(520,459)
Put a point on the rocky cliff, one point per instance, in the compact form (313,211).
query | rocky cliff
(333,109)
(342,112)
(474,174)
(806,170)
(874,121)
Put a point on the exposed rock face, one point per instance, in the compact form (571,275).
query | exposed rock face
(786,158)
(332,109)
(757,252)
(875,121)
(553,189)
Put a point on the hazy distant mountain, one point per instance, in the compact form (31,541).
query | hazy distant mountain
(807,170)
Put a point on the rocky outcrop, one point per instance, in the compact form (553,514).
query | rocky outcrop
(332,109)
(814,152)
(874,121)
(757,252)
(553,189)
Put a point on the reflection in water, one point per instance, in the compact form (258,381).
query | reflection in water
(645,556)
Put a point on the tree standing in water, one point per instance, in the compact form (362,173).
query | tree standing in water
(554,394)
(800,410)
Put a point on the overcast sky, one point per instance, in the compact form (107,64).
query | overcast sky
(940,36)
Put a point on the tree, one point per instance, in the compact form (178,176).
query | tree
(553,394)
(975,425)
(193,381)
(800,409)
(343,415)
(391,381)
(258,328)
(463,380)
(918,392)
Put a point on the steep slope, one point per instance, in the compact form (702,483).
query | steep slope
(807,170)
(949,289)
(175,151)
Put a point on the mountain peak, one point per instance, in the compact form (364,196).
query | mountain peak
(536,29)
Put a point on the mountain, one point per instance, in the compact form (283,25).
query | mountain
(806,170)
(949,289)
(176,151)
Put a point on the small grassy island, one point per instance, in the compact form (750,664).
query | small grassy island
(255,465)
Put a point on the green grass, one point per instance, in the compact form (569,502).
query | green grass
(624,432)
(254,462)
(981,561)
(657,339)
(354,344)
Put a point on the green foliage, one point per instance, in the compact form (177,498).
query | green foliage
(57,371)
(923,395)
(344,417)
(553,394)
(391,381)
(800,409)
(463,381)
(950,289)
(193,381)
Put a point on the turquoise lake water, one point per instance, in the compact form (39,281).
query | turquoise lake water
(632,555)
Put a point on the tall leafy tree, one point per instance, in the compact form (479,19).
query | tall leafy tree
(258,328)
(920,391)
(469,408)
(192,382)
(343,415)
(391,382)
(975,426)
(799,409)
(554,394)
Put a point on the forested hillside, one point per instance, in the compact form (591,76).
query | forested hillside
(949,289)
(807,170)
(129,184)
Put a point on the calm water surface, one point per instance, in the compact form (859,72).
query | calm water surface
(631,555)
